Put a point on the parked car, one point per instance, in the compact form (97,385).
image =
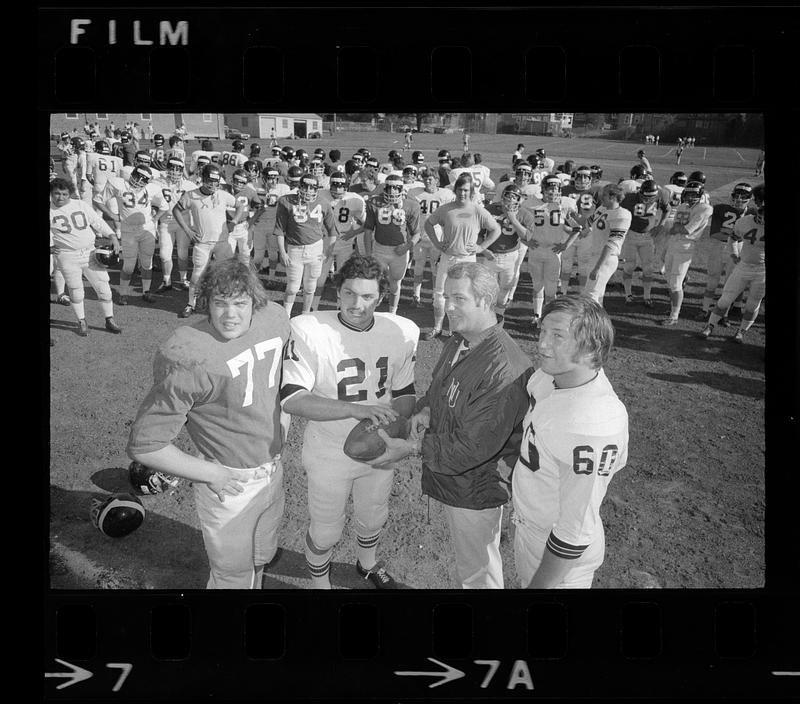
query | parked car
(236,134)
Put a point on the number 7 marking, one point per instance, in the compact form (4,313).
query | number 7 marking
(246,358)
(126,668)
(493,665)
(276,346)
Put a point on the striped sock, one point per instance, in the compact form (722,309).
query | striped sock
(319,564)
(366,549)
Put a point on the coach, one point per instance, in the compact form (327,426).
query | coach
(472,414)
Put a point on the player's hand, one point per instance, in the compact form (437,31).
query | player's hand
(116,245)
(593,275)
(377,414)
(284,259)
(471,248)
(396,449)
(559,247)
(224,483)
(489,254)
(401,249)
(735,259)
(420,422)
(533,244)
(194,235)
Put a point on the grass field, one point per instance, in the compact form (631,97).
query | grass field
(687,511)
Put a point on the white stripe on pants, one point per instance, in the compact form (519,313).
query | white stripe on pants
(241,532)
(476,538)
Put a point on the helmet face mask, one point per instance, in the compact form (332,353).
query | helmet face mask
(393,190)
(583,179)
(174,170)
(102,147)
(142,159)
(211,177)
(409,174)
(239,181)
(597,173)
(140,176)
(741,196)
(271,177)
(679,179)
(511,199)
(692,192)
(523,174)
(337,185)
(158,140)
(316,168)
(649,192)
(417,158)
(307,188)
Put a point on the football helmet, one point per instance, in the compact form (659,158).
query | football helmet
(211,177)
(158,140)
(149,481)
(758,197)
(288,153)
(237,145)
(142,158)
(316,168)
(124,137)
(105,256)
(597,172)
(102,147)
(371,161)
(140,176)
(638,172)
(541,154)
(307,188)
(202,161)
(118,515)
(393,189)
(252,169)
(551,189)
(276,151)
(679,178)
(417,157)
(358,159)
(393,153)
(648,191)
(77,143)
(523,172)
(255,149)
(366,152)
(536,161)
(697,176)
(410,173)
(207,145)
(512,197)
(301,154)
(444,155)
(293,176)
(174,169)
(741,195)
(319,153)
(338,184)
(582,178)
(692,192)
(239,180)
(271,176)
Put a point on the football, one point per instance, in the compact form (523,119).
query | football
(364,444)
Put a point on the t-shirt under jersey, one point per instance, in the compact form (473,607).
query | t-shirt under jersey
(225,391)
(334,360)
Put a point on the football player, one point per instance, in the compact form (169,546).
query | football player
(391,230)
(306,233)
(750,270)
(349,211)
(173,185)
(202,214)
(127,148)
(461,222)
(445,165)
(202,162)
(176,149)
(317,169)
(100,165)
(206,149)
(275,157)
(232,160)
(430,197)
(639,246)
(73,226)
(545,161)
(721,256)
(418,159)
(607,227)
(340,367)
(575,439)
(263,224)
(410,178)
(502,255)
(366,182)
(293,176)
(598,184)
(220,378)
(253,169)
(141,158)
(241,237)
(671,194)
(580,252)
(158,154)
(129,205)
(691,218)
(388,166)
(553,220)
(480,176)
(255,155)
(634,183)
(539,171)
(644,161)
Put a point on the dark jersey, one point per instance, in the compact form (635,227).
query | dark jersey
(645,216)
(723,218)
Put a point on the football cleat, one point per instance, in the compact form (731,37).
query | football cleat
(648,302)
(111,325)
(118,515)
(83,328)
(63,299)
(148,297)
(628,299)
(669,322)
(378,575)
(705,333)
(186,312)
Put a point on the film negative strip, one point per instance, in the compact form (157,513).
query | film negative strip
(695,595)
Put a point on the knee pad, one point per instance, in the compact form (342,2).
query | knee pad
(76,295)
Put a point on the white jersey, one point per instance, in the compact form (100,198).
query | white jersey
(73,225)
(548,164)
(670,197)
(428,204)
(694,218)
(549,220)
(135,206)
(749,229)
(229,162)
(126,171)
(574,441)
(172,193)
(333,360)
(349,210)
(609,227)
(213,156)
(630,185)
(480,176)
(100,167)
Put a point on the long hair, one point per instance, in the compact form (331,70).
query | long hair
(231,277)
(590,325)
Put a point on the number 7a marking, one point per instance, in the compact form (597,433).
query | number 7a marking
(126,668)
(246,359)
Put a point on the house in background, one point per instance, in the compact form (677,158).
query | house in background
(198,125)
(260,125)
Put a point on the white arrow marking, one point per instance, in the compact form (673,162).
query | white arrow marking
(78,674)
(450,674)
